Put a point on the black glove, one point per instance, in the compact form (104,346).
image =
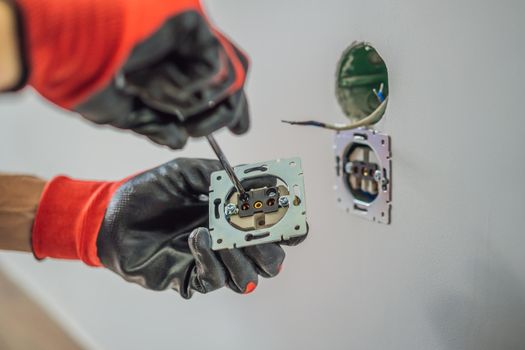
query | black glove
(176,84)
(156,67)
(154,234)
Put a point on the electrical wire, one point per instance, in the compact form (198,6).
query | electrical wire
(379,94)
(372,118)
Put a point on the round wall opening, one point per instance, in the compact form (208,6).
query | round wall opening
(361,81)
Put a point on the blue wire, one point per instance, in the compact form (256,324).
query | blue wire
(380,96)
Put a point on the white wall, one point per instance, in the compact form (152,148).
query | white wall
(449,273)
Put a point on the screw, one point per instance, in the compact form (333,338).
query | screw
(283,201)
(348,167)
(230,209)
(377,175)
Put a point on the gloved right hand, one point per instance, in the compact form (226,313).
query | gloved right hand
(156,67)
(151,229)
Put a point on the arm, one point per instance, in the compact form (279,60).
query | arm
(19,196)
(156,67)
(10,66)
(150,228)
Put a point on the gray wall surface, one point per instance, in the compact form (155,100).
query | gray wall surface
(449,273)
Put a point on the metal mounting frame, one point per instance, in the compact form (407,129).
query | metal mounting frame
(293,224)
(379,210)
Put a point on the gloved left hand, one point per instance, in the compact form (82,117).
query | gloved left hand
(151,229)
(156,67)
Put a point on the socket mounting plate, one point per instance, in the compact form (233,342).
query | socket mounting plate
(293,224)
(378,209)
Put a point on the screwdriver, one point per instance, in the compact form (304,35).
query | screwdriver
(226,165)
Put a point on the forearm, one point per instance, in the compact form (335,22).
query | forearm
(19,197)
(10,61)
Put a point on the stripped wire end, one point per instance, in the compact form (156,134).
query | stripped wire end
(379,93)
(370,119)
(305,123)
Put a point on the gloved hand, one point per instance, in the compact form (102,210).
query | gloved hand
(156,67)
(150,229)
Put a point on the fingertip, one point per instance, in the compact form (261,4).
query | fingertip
(170,135)
(291,242)
(250,287)
(241,123)
(243,277)
(267,257)
(177,139)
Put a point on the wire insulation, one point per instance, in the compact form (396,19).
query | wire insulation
(373,118)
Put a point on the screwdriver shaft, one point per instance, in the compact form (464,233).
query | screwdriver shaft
(225,164)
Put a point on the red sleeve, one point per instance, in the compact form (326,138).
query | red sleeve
(68,219)
(75,47)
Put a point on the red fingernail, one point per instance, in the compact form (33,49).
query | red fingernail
(249,288)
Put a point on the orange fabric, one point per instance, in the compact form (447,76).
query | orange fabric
(240,74)
(68,219)
(250,287)
(76,47)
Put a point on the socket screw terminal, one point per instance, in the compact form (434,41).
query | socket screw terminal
(377,175)
(348,167)
(230,209)
(284,201)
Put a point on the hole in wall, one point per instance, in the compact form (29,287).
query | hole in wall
(361,81)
